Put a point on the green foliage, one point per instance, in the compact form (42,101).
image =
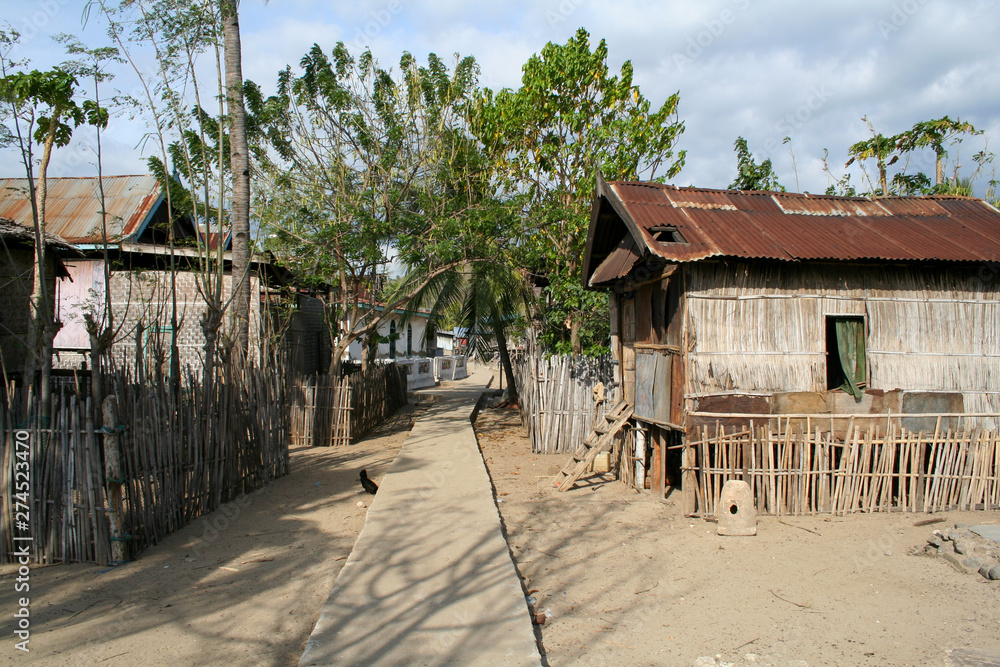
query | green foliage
(749,174)
(50,94)
(933,134)
(491,299)
(910,184)
(569,118)
(368,165)
(589,308)
(880,148)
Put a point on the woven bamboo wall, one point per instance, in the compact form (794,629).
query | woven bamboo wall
(182,456)
(325,413)
(760,327)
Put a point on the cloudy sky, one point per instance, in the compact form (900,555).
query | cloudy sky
(763,69)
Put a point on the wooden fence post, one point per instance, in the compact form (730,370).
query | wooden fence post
(113,479)
(689,478)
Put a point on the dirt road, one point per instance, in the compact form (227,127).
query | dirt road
(241,586)
(629,580)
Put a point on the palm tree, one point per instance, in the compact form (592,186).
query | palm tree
(491,296)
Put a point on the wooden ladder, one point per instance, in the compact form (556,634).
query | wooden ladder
(598,441)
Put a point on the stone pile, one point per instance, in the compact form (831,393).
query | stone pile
(971,549)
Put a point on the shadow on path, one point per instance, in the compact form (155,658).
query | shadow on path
(430,580)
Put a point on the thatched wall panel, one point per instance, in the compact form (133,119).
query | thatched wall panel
(960,327)
(762,326)
(934,373)
(755,373)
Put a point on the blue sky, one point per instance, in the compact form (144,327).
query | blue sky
(763,69)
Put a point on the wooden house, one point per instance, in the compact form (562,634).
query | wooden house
(759,334)
(17,262)
(131,243)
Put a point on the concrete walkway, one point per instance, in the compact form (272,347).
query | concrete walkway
(430,580)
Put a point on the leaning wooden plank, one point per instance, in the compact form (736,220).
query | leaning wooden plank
(603,444)
(590,442)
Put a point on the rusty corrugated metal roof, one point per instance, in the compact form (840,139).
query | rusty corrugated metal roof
(73,208)
(619,263)
(789,226)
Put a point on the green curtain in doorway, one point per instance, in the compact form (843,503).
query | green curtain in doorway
(851,348)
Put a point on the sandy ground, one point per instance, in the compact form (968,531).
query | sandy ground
(628,580)
(241,586)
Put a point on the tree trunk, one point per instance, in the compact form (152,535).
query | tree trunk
(574,336)
(335,356)
(240,170)
(97,350)
(210,323)
(41,327)
(508,369)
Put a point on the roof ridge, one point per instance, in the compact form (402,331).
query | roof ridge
(802,195)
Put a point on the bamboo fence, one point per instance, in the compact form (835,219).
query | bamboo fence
(796,466)
(556,395)
(183,452)
(321,411)
(376,393)
(336,413)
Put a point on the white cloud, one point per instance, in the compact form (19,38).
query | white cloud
(763,69)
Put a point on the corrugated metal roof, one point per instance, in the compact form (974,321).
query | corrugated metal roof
(790,226)
(73,208)
(618,263)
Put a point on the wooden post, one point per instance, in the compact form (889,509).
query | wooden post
(688,481)
(656,483)
(113,480)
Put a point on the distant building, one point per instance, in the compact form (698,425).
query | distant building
(396,339)
(135,232)
(17,262)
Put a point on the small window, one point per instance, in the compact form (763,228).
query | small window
(667,234)
(846,363)
(409,340)
(393,336)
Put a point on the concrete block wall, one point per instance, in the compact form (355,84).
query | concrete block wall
(144,298)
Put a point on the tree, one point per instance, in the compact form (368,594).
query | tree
(880,148)
(367,167)
(749,174)
(934,134)
(191,161)
(44,110)
(100,324)
(491,297)
(569,118)
(240,170)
